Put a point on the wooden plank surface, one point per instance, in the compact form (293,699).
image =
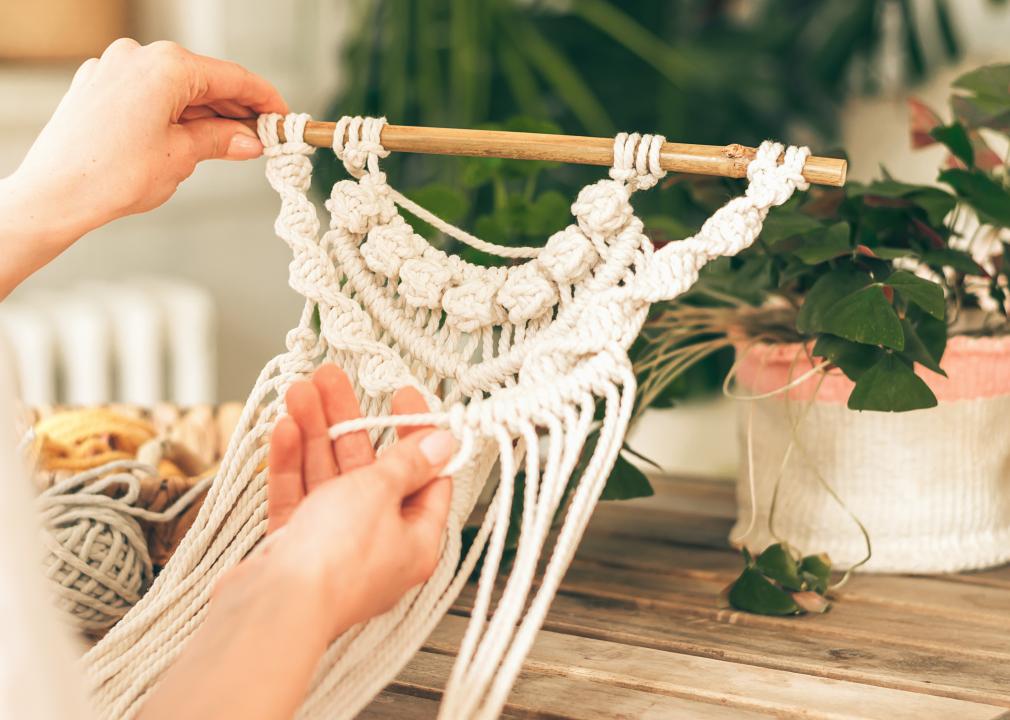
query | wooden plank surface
(635,632)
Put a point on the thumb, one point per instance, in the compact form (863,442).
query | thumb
(218,137)
(413,462)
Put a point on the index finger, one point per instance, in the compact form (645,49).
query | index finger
(218,80)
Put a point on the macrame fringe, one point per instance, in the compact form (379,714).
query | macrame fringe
(515,360)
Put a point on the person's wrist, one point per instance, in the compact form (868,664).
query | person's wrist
(283,579)
(54,210)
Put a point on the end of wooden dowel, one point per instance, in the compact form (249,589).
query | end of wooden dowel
(826,171)
(250,123)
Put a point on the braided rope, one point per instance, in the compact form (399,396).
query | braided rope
(519,355)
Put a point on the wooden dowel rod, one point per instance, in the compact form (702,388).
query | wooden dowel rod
(726,160)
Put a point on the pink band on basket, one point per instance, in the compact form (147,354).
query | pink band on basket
(976,367)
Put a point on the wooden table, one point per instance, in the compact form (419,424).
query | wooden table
(635,633)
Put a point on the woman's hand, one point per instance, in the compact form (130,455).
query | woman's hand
(132,126)
(349,534)
(369,529)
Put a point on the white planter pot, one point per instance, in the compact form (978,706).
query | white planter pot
(687,439)
(932,487)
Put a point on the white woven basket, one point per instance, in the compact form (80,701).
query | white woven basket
(932,487)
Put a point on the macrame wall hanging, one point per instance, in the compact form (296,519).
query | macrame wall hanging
(521,362)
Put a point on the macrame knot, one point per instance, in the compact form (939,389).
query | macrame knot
(389,246)
(423,280)
(471,305)
(359,206)
(772,183)
(311,271)
(346,323)
(512,385)
(568,256)
(380,375)
(602,208)
(357,142)
(636,160)
(301,340)
(295,170)
(527,294)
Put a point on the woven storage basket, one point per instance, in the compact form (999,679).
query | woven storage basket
(932,487)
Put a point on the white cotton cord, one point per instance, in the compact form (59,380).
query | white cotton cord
(465,437)
(488,575)
(357,141)
(503,251)
(617,415)
(513,598)
(637,160)
(520,357)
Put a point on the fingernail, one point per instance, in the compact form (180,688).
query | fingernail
(438,447)
(242,146)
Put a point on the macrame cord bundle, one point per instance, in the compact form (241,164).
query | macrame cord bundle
(521,362)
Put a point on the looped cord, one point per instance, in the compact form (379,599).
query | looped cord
(463,236)
(767,175)
(294,134)
(502,370)
(357,141)
(636,160)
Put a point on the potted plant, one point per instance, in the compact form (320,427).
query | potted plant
(872,356)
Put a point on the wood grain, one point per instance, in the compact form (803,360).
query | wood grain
(723,160)
(635,632)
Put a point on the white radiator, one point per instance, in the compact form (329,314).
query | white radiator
(142,341)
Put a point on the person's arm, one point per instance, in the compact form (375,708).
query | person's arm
(132,126)
(349,535)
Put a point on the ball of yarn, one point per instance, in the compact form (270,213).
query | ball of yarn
(96,553)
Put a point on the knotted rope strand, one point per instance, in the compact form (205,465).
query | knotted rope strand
(520,352)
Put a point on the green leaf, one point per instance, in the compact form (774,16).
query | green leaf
(992,81)
(782,224)
(956,259)
(626,482)
(826,244)
(755,593)
(924,293)
(664,227)
(316,323)
(936,203)
(492,228)
(891,386)
(548,214)
(916,350)
(931,331)
(867,317)
(778,563)
(956,139)
(817,567)
(853,358)
(442,200)
(479,171)
(892,253)
(828,290)
(989,199)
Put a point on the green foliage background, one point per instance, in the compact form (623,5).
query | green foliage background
(705,71)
